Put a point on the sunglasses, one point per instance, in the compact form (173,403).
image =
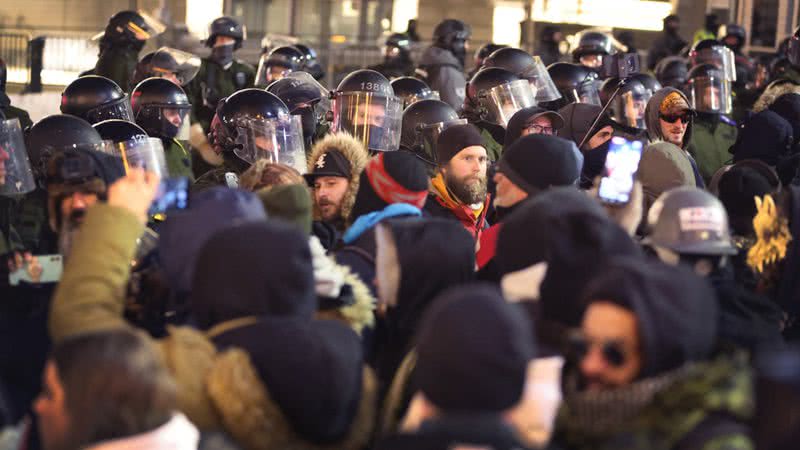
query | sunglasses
(685,117)
(613,351)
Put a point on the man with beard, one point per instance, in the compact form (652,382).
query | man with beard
(334,171)
(458,191)
(670,118)
(76,180)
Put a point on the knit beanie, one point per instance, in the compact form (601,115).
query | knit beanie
(473,351)
(454,139)
(537,162)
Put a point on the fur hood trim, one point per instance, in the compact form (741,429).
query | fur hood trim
(354,151)
(256,422)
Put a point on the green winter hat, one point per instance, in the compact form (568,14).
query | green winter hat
(291,203)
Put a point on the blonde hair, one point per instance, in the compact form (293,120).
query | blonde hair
(265,175)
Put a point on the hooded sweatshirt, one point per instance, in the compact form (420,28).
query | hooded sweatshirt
(651,114)
(431,256)
(663,166)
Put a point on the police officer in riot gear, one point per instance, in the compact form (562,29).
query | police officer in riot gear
(672,71)
(94,98)
(365,106)
(220,74)
(311,61)
(305,98)
(396,57)
(649,82)
(629,103)
(714,132)
(493,96)
(44,139)
(412,90)
(277,64)
(253,124)
(531,68)
(443,62)
(423,121)
(592,47)
(792,73)
(670,43)
(175,65)
(575,83)
(162,109)
(120,44)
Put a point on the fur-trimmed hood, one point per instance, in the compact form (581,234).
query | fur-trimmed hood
(774,91)
(355,152)
(251,411)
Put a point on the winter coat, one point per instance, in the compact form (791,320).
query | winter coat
(663,166)
(445,74)
(177,434)
(118,65)
(712,138)
(213,83)
(441,204)
(702,405)
(774,91)
(421,246)
(217,176)
(355,153)
(220,385)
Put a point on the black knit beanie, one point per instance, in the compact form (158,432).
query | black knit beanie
(454,139)
(473,351)
(536,162)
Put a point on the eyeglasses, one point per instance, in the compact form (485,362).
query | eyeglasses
(539,129)
(685,117)
(613,351)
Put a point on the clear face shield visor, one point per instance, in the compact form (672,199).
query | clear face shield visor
(16,176)
(120,109)
(374,119)
(542,84)
(711,95)
(276,140)
(144,153)
(429,135)
(628,108)
(501,102)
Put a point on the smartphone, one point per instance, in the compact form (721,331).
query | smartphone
(622,162)
(173,193)
(52,266)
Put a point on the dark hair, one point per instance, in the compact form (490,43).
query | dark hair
(115,385)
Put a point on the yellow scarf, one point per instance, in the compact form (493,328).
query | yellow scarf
(450,202)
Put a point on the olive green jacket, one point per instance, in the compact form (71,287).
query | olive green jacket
(711,140)
(179,161)
(118,65)
(214,83)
